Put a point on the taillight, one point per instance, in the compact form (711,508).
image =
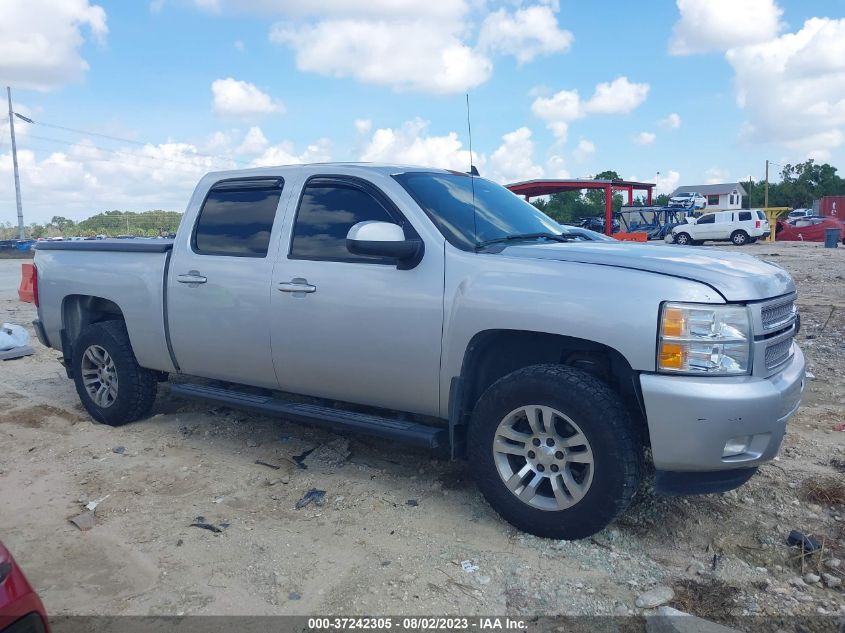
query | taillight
(756,225)
(35,285)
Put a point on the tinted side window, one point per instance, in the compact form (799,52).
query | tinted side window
(710,218)
(236,219)
(326,213)
(744,215)
(761,215)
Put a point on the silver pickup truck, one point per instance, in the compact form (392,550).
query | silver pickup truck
(438,309)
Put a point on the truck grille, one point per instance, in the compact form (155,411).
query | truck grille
(778,353)
(778,314)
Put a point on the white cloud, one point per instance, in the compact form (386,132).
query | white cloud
(406,54)
(239,46)
(232,97)
(88,180)
(717,25)
(584,151)
(792,88)
(40,41)
(285,154)
(716,175)
(363,126)
(645,138)
(668,182)
(671,122)
(619,96)
(254,142)
(410,144)
(513,160)
(525,33)
(440,9)
(556,167)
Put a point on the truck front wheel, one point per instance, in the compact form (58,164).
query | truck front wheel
(554,451)
(110,384)
(683,239)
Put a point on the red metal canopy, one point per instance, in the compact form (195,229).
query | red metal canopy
(533,188)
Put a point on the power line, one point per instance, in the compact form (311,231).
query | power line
(110,137)
(112,161)
(126,153)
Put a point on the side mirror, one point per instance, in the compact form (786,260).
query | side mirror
(384,239)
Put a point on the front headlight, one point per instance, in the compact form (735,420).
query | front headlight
(704,339)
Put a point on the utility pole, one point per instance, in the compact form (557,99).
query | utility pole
(21,233)
(766,190)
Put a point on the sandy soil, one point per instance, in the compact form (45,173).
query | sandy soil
(395,524)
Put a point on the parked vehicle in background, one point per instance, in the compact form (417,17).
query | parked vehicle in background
(810,229)
(597,224)
(688,200)
(738,227)
(21,610)
(832,206)
(441,310)
(799,213)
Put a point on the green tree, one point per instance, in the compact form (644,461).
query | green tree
(61,224)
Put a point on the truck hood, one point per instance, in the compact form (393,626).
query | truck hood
(737,277)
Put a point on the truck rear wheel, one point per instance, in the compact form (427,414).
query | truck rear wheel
(554,451)
(112,386)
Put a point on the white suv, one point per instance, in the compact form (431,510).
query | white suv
(739,227)
(688,200)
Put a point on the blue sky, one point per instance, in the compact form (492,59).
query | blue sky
(699,90)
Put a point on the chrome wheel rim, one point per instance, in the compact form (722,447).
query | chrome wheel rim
(543,457)
(99,375)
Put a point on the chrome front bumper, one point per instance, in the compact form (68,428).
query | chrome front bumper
(690,419)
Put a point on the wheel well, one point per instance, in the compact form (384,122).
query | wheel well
(79,311)
(496,353)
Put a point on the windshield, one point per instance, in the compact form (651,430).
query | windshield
(447,198)
(684,195)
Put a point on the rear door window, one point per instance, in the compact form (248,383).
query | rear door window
(236,218)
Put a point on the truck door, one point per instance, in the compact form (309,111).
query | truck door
(706,228)
(349,327)
(218,285)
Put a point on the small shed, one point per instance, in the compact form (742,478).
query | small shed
(720,197)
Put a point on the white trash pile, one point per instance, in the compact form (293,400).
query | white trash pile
(14,341)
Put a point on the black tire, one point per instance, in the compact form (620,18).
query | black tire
(739,238)
(135,386)
(683,239)
(613,440)
(752,240)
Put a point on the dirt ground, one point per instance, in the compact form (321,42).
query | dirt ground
(395,524)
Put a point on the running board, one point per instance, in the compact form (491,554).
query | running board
(412,433)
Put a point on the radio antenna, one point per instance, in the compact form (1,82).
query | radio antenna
(472,173)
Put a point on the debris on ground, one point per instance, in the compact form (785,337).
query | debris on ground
(92,505)
(824,490)
(120,450)
(468,567)
(13,336)
(412,502)
(201,523)
(84,521)
(16,352)
(655,597)
(299,460)
(317,496)
(261,462)
(807,543)
(294,595)
(333,453)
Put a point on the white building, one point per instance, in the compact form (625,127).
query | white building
(720,197)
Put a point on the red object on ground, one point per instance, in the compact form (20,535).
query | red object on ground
(533,188)
(637,236)
(832,206)
(20,607)
(26,292)
(811,233)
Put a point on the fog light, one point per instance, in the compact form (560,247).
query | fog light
(736,446)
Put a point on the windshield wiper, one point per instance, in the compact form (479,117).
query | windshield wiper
(554,237)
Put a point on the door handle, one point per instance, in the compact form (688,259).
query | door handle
(191,277)
(297,285)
